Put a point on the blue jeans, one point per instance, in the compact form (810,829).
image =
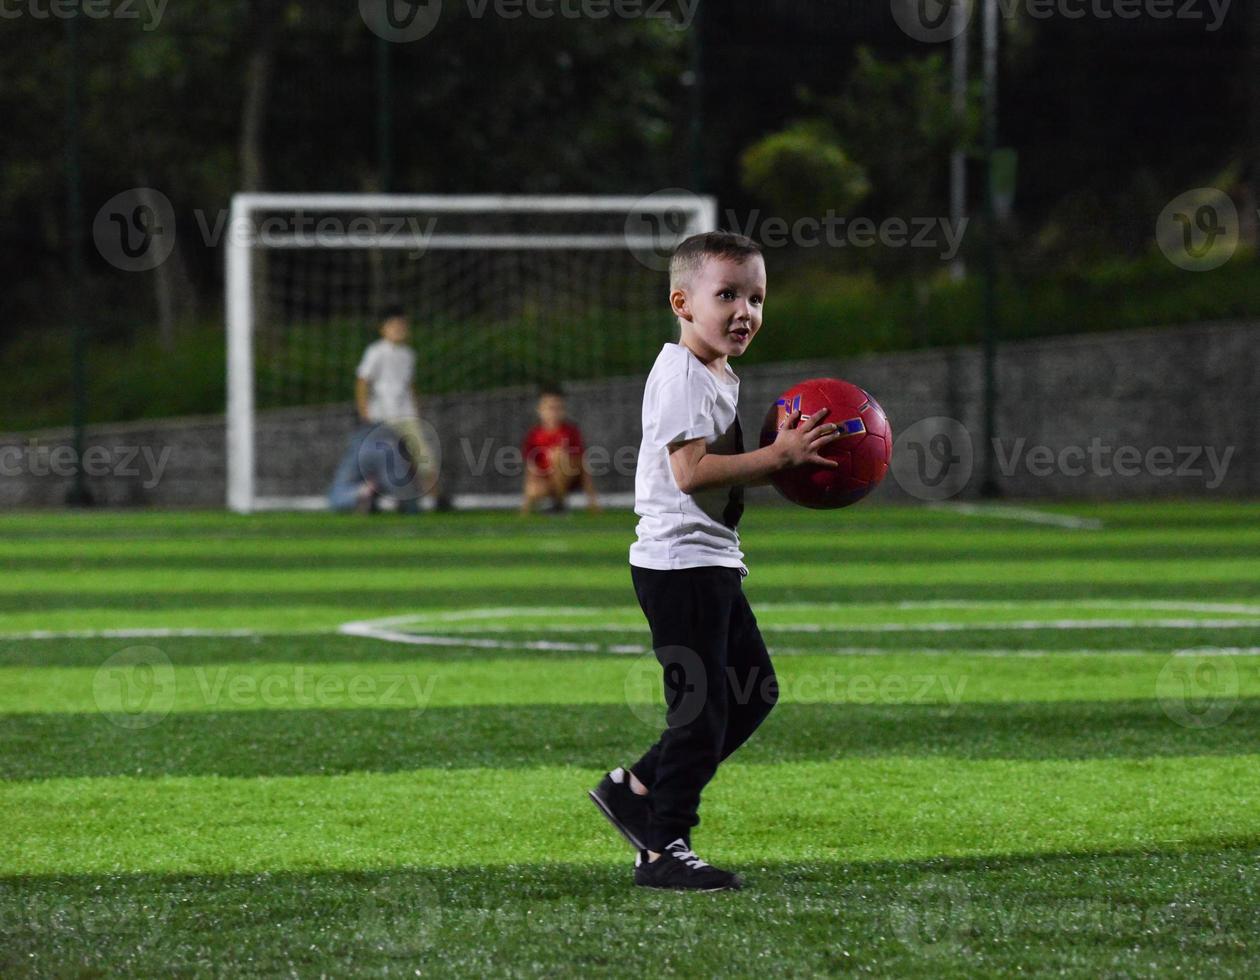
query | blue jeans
(368,458)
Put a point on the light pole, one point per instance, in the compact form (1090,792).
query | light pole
(958,159)
(78,495)
(989,486)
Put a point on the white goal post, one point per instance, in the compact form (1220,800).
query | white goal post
(305,274)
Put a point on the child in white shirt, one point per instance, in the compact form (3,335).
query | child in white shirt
(686,563)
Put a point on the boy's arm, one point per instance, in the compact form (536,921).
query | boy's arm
(696,470)
(362,392)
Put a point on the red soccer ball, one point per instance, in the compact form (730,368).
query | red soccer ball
(863,451)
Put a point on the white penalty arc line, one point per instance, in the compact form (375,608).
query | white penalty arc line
(369,631)
(1025,514)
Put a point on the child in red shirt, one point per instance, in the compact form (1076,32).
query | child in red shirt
(553,458)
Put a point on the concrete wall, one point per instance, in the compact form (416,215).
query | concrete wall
(1169,412)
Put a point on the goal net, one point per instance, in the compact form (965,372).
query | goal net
(502,293)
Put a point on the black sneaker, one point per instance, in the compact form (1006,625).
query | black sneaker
(625,809)
(679,868)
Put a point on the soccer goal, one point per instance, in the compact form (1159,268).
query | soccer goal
(503,293)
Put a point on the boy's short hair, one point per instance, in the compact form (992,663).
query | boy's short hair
(392,311)
(691,255)
(550,391)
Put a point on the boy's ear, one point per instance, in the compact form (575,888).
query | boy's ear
(679,305)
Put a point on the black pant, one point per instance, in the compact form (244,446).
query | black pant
(719,686)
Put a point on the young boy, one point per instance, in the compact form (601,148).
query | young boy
(686,563)
(385,392)
(553,457)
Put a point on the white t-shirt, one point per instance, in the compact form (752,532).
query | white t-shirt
(389,369)
(684,400)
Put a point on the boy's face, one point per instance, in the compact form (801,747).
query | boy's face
(720,309)
(551,410)
(395,330)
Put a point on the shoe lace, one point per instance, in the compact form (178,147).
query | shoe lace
(688,857)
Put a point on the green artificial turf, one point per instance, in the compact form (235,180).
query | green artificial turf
(1000,747)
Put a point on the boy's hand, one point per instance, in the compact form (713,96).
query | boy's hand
(800,442)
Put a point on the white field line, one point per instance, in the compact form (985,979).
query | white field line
(817,627)
(142,633)
(504,612)
(368,627)
(620,648)
(382,628)
(420,639)
(1026,624)
(1014,652)
(1025,514)
(1166,605)
(602,612)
